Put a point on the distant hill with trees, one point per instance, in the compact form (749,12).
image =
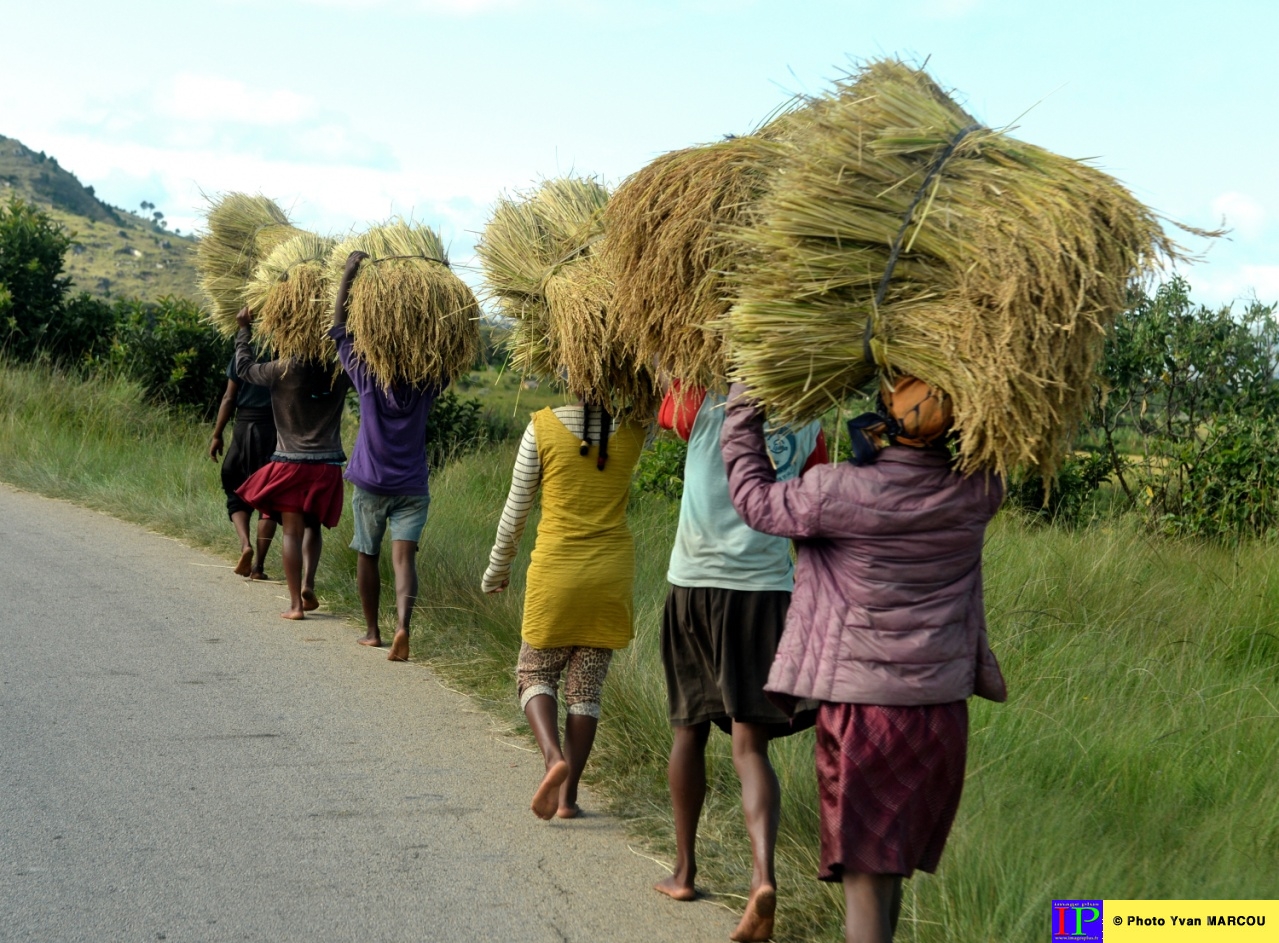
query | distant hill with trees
(117,253)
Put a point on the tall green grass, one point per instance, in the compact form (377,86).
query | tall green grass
(1136,758)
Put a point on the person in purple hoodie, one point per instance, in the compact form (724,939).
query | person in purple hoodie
(388,472)
(886,629)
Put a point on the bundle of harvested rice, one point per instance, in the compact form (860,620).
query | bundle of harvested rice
(411,319)
(542,270)
(289,294)
(901,237)
(666,251)
(243,231)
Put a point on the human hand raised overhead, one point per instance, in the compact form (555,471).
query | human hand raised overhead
(344,286)
(244,317)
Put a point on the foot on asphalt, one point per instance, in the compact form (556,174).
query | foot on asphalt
(547,798)
(757,923)
(399,647)
(676,889)
(246,561)
(309,601)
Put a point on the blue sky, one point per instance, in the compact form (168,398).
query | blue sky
(348,112)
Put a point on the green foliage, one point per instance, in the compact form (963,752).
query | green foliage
(31,249)
(168,348)
(1069,501)
(661,468)
(458,426)
(1187,412)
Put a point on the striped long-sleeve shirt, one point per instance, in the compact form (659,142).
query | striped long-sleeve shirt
(525,481)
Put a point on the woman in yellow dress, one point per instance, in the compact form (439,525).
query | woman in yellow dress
(578,606)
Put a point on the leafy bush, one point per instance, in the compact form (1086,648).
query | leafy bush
(1188,409)
(36,315)
(458,426)
(1228,482)
(168,348)
(661,468)
(1070,499)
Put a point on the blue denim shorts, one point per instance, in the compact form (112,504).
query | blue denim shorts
(406,514)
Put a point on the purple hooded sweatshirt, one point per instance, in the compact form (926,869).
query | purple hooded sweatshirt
(389,456)
(887,607)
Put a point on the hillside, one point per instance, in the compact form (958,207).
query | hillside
(117,253)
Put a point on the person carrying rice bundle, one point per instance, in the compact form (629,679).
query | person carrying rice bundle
(301,485)
(886,630)
(578,605)
(251,448)
(725,610)
(388,474)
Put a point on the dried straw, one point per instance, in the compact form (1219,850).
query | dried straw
(666,250)
(1015,263)
(289,293)
(243,231)
(543,273)
(411,319)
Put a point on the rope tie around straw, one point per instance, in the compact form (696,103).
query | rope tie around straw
(424,258)
(869,333)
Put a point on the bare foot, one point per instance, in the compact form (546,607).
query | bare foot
(676,889)
(568,811)
(309,601)
(258,575)
(372,641)
(757,923)
(295,614)
(547,798)
(246,561)
(399,647)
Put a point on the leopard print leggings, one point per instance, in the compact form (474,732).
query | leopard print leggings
(538,672)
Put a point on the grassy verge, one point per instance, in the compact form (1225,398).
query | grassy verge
(1135,758)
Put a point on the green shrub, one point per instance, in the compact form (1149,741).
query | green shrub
(661,468)
(458,426)
(167,347)
(1069,502)
(36,316)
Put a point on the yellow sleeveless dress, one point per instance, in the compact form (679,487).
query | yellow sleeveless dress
(581,573)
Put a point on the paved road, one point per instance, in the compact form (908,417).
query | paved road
(177,763)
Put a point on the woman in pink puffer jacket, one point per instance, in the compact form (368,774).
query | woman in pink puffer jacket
(886,628)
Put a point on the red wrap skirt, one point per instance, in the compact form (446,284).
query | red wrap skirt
(312,488)
(889,781)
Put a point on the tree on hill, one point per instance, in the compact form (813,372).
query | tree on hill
(36,313)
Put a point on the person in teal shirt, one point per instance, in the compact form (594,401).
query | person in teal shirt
(729,590)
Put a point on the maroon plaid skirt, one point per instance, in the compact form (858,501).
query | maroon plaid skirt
(889,781)
(313,488)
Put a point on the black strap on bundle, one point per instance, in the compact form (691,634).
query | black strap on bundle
(895,251)
(424,258)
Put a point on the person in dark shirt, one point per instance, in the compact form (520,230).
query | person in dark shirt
(302,483)
(388,474)
(251,448)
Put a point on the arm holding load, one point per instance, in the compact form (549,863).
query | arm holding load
(782,508)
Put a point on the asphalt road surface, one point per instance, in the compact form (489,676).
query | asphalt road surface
(178,763)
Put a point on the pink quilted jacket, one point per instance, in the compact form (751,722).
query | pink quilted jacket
(887,607)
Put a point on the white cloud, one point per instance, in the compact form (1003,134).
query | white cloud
(1242,213)
(1241,283)
(211,98)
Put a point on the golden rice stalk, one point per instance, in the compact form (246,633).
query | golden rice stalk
(243,231)
(529,237)
(289,294)
(666,250)
(410,318)
(1015,264)
(582,341)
